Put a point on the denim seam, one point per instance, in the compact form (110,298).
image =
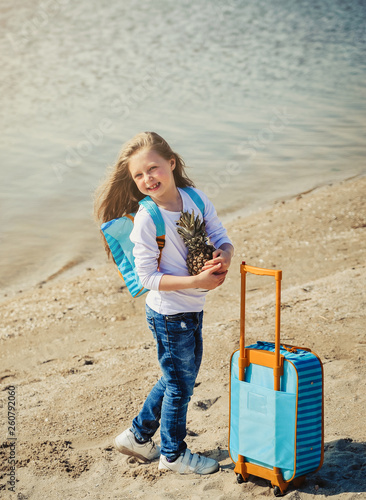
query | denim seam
(152,319)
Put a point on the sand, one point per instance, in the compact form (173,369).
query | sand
(81,359)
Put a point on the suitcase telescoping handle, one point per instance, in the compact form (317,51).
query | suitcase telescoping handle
(264,358)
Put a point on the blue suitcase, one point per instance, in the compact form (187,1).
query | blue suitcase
(276,428)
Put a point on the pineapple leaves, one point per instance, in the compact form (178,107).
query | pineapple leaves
(193,233)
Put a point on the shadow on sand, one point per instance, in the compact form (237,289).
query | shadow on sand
(343,471)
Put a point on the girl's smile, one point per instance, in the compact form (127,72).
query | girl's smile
(154,187)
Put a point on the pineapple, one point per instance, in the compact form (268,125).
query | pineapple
(195,238)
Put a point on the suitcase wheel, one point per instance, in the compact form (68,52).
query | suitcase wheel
(240,479)
(277,492)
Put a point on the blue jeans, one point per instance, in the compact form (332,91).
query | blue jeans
(179,345)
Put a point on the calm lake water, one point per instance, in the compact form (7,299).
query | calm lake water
(262,99)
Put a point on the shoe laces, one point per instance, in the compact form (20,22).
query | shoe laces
(152,443)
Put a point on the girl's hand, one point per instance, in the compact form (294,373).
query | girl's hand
(220,256)
(211,278)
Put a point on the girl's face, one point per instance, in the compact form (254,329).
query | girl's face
(153,174)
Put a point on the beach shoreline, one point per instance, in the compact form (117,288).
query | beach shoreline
(81,359)
(77,264)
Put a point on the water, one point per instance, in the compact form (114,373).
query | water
(262,99)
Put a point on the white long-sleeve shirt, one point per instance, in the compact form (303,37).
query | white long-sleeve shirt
(174,254)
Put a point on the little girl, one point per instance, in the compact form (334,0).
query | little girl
(174,305)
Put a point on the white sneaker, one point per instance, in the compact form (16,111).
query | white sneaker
(190,463)
(127,444)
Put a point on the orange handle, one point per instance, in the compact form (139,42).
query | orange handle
(243,358)
(260,271)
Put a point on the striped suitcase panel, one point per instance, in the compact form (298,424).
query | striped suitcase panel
(309,425)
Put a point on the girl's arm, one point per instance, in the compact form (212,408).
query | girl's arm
(146,251)
(146,254)
(206,280)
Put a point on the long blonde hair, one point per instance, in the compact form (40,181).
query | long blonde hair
(118,194)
